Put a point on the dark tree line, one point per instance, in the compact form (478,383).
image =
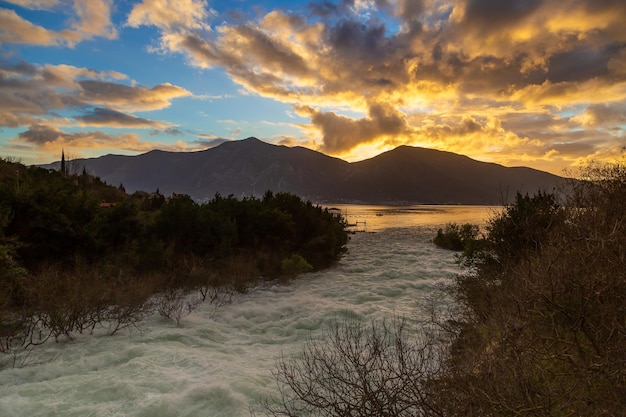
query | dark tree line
(76,252)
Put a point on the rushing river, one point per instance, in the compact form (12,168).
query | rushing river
(219,362)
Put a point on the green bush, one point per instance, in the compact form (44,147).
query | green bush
(456,237)
(295,265)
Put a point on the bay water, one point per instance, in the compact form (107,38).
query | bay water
(219,361)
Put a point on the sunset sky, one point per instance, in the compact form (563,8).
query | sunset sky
(539,83)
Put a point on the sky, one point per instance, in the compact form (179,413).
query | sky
(538,83)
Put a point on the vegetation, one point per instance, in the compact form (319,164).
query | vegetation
(359,371)
(539,326)
(76,253)
(457,238)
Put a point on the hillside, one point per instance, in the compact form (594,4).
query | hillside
(405,175)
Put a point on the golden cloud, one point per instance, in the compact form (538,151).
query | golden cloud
(14,29)
(91,18)
(170,14)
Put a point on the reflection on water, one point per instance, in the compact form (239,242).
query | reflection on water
(375,218)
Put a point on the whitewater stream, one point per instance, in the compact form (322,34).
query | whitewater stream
(219,361)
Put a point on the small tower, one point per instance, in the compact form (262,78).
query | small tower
(63,168)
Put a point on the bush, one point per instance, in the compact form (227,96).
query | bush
(539,329)
(359,371)
(295,265)
(456,237)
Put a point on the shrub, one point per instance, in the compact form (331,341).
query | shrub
(540,330)
(359,371)
(456,237)
(295,265)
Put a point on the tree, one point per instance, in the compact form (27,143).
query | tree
(360,371)
(63,167)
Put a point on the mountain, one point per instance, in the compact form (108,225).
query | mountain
(411,174)
(405,175)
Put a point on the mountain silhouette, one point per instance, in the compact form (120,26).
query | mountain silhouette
(405,175)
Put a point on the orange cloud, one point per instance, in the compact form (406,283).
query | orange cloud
(14,29)
(170,14)
(89,19)
(341,133)
(51,140)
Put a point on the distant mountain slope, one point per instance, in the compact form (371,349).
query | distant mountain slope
(405,175)
(413,174)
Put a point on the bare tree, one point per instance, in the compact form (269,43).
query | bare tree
(360,370)
(176,303)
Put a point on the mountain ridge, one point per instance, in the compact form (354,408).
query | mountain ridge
(250,167)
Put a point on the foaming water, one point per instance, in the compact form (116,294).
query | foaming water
(219,362)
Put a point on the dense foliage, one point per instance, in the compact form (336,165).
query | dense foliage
(539,326)
(75,252)
(457,237)
(543,307)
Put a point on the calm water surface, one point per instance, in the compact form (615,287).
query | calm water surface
(219,362)
(376,218)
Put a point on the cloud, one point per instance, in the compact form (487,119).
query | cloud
(495,79)
(102,117)
(610,115)
(591,63)
(171,15)
(209,142)
(11,120)
(31,91)
(89,19)
(94,19)
(488,16)
(35,4)
(47,137)
(174,131)
(288,141)
(471,64)
(129,98)
(51,140)
(35,96)
(341,133)
(14,29)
